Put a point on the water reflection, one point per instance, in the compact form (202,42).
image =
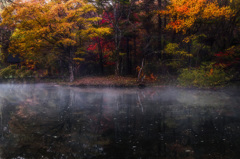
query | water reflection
(44,121)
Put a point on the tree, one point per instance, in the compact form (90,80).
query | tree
(117,13)
(184,14)
(200,19)
(56,28)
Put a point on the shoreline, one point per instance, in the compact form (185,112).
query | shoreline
(110,82)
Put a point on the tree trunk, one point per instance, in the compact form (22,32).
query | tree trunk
(71,79)
(159,29)
(117,37)
(165,16)
(164,27)
(129,68)
(100,57)
(117,63)
(189,51)
(140,79)
(117,43)
(173,36)
(71,73)
(135,53)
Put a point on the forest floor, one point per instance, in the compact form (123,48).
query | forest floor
(112,81)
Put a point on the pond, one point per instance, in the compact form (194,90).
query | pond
(51,121)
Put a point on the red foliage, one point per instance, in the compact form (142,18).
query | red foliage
(107,18)
(175,24)
(224,54)
(107,45)
(108,63)
(92,47)
(227,58)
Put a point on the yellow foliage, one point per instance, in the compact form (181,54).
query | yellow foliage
(213,11)
(96,32)
(57,24)
(184,13)
(78,59)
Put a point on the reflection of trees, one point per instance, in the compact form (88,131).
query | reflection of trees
(46,131)
(218,137)
(64,123)
(166,129)
(6,111)
(138,130)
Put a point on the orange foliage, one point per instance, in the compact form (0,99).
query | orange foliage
(184,13)
(151,77)
(211,71)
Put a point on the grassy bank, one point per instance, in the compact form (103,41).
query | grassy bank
(112,81)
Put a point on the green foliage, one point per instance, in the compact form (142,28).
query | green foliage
(174,49)
(8,72)
(122,54)
(198,43)
(23,73)
(179,57)
(205,76)
(12,72)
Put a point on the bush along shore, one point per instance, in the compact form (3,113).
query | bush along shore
(190,79)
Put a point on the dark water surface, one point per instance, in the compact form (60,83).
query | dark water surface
(46,121)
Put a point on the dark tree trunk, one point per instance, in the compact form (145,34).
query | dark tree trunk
(129,68)
(117,41)
(165,16)
(173,36)
(117,62)
(159,29)
(189,51)
(164,25)
(71,78)
(100,57)
(71,73)
(135,52)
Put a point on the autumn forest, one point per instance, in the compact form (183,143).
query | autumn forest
(196,43)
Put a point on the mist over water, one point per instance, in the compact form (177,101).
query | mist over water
(50,121)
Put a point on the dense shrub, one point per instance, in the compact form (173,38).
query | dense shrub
(23,73)
(205,76)
(12,72)
(8,72)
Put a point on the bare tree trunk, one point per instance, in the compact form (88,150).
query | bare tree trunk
(71,73)
(140,79)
